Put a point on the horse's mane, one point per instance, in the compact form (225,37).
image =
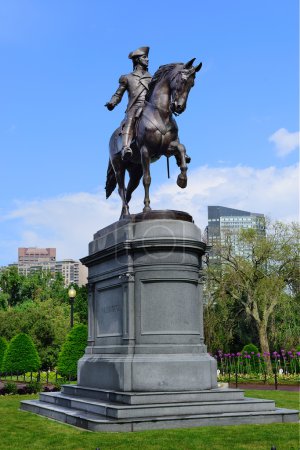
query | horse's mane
(161,72)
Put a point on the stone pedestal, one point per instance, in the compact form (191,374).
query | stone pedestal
(146,365)
(145,307)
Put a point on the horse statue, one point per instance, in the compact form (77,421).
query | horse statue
(156,134)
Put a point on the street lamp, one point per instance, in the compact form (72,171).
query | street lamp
(72,295)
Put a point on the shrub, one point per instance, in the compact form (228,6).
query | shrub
(33,387)
(72,350)
(21,355)
(3,348)
(250,348)
(10,388)
(251,360)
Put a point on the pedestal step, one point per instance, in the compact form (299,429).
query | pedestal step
(141,398)
(119,411)
(105,415)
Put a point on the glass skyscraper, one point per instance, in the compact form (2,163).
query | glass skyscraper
(224,222)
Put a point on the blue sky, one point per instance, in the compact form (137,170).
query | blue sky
(61,61)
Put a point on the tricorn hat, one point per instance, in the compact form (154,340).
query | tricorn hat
(139,52)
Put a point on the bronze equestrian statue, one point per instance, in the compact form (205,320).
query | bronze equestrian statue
(156,133)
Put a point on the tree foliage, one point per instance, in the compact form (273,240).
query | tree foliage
(38,305)
(21,355)
(47,323)
(81,304)
(37,286)
(260,285)
(3,348)
(72,350)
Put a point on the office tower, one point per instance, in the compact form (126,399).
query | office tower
(31,259)
(72,271)
(224,222)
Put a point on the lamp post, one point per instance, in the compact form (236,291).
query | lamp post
(72,295)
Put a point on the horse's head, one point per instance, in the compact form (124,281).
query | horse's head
(181,83)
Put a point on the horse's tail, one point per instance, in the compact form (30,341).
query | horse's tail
(111,181)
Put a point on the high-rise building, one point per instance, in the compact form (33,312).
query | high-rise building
(33,258)
(72,271)
(223,221)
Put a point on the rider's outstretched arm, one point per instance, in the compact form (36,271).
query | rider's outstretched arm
(117,97)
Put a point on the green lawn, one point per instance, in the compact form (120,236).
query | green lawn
(21,430)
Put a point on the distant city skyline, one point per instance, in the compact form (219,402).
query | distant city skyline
(61,63)
(31,259)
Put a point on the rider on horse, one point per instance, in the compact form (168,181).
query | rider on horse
(136,84)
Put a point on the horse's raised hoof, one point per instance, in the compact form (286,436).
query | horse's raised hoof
(187,159)
(182,181)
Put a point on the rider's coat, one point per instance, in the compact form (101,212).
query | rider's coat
(136,84)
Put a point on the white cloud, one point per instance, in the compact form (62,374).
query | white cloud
(285,142)
(271,191)
(68,222)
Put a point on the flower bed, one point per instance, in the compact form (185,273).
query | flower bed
(252,367)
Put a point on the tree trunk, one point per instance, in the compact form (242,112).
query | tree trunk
(264,344)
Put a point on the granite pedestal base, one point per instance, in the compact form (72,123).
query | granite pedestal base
(146,365)
(100,410)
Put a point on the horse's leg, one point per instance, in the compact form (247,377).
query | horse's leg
(182,177)
(178,150)
(135,175)
(120,176)
(146,176)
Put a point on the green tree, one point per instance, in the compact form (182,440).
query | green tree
(40,285)
(81,304)
(284,328)
(3,348)
(21,355)
(46,322)
(11,286)
(219,323)
(260,282)
(4,297)
(72,350)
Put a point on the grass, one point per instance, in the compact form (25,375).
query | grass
(21,431)
(283,399)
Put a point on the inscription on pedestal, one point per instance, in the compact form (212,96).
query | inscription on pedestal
(109,312)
